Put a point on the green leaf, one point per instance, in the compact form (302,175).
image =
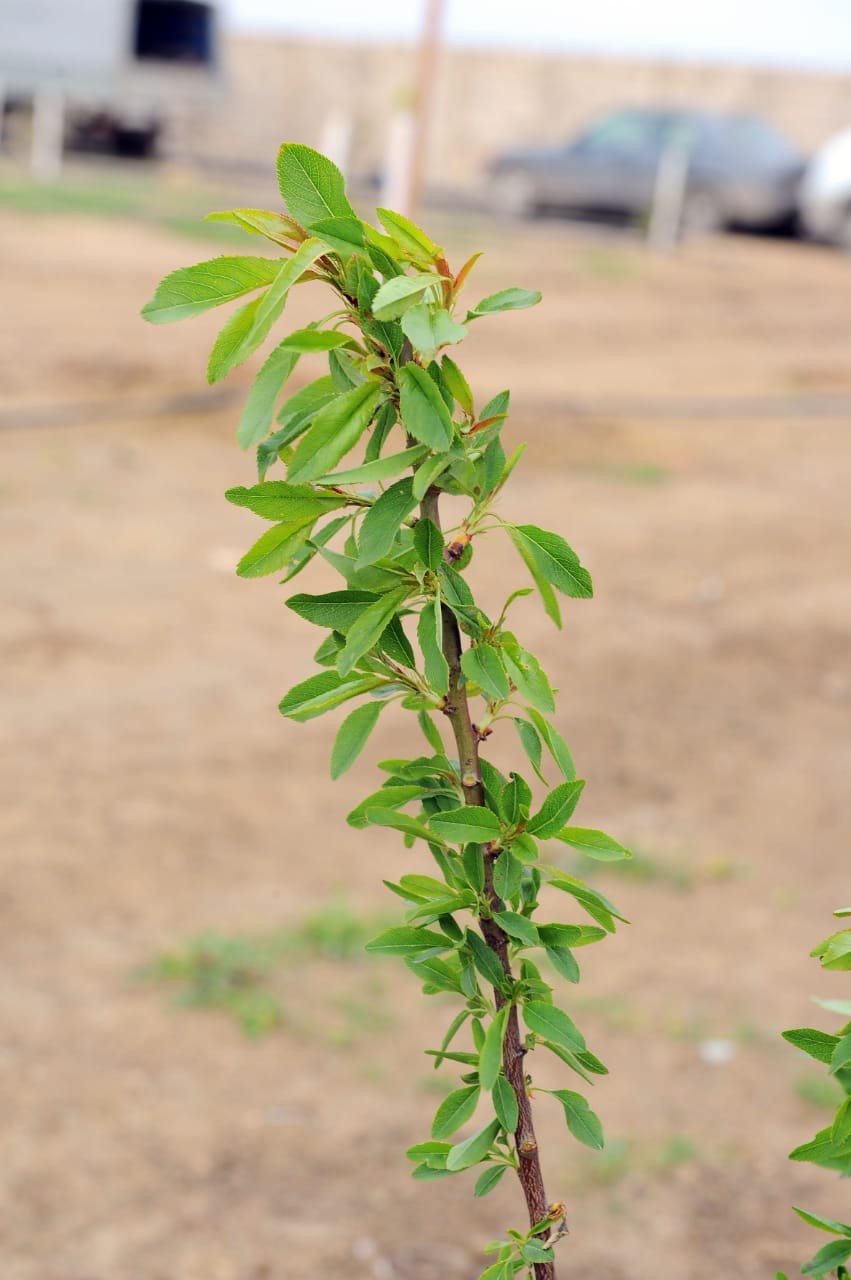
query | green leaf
(507,873)
(259,410)
(378,817)
(485,960)
(555,810)
(335,430)
(306,341)
(322,692)
(406,940)
(556,744)
(410,238)
(429,329)
(548,598)
(469,823)
(532,1251)
(232,335)
(482,666)
(272,303)
(278,500)
(505,1104)
(336,609)
(457,384)
(552,1023)
(353,735)
(428,472)
(298,412)
(191,290)
(517,926)
(468,1153)
(595,844)
(429,544)
(366,630)
(827,1259)
(379,470)
(530,743)
(824,1224)
(400,293)
(818,1044)
(581,1120)
(529,679)
(513,299)
(383,521)
(424,413)
(487,1180)
(835,952)
(274,548)
(455,1110)
(344,235)
(313,188)
(429,635)
(841,1055)
(276,227)
(490,1054)
(557,561)
(564,962)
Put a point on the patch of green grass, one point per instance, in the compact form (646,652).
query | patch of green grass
(235,972)
(676,1149)
(603,262)
(819,1091)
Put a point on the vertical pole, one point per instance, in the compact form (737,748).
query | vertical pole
(668,196)
(427,56)
(48,124)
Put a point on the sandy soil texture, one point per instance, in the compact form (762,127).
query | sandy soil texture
(687,420)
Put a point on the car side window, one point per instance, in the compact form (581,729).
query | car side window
(623,135)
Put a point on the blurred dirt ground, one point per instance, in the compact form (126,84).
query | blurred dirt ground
(687,421)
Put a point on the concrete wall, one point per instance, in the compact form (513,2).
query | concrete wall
(486,100)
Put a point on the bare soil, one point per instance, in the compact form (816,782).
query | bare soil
(688,433)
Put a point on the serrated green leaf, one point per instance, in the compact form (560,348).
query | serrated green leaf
(335,609)
(232,335)
(270,305)
(556,809)
(490,1054)
(429,328)
(531,744)
(553,1024)
(824,1224)
(383,521)
(834,952)
(388,797)
(274,548)
(455,1109)
(410,238)
(276,227)
(485,960)
(428,472)
(555,744)
(380,817)
(335,430)
(191,290)
(259,409)
(457,384)
(474,1149)
(482,666)
(429,635)
(368,627)
(429,544)
(407,940)
(398,294)
(828,1258)
(486,1182)
(513,299)
(548,598)
(581,1120)
(564,962)
(423,410)
(313,188)
(841,1055)
(344,235)
(379,470)
(322,692)
(505,1104)
(278,500)
(307,341)
(529,678)
(517,927)
(465,824)
(594,844)
(817,1044)
(352,736)
(556,560)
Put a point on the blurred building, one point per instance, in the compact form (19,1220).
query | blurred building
(486,99)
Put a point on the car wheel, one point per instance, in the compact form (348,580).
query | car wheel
(513,193)
(701,213)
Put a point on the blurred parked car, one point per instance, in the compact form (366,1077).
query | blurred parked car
(826,192)
(739,171)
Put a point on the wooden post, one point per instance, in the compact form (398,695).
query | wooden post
(48,126)
(427,56)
